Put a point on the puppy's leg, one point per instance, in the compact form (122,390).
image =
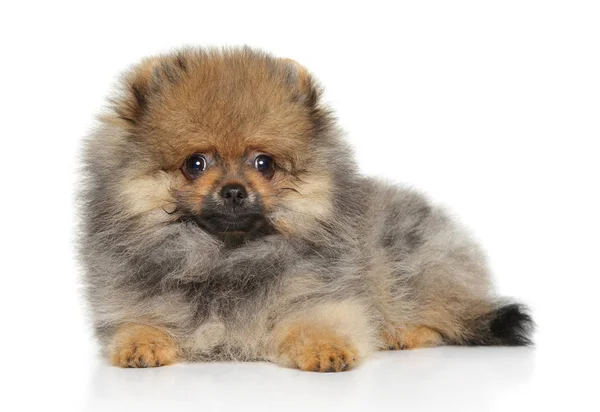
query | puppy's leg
(142,346)
(330,337)
(410,338)
(316,348)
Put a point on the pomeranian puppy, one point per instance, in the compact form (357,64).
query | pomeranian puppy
(224,218)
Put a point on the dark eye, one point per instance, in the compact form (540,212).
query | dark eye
(194,166)
(265,165)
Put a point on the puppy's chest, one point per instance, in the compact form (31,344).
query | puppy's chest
(228,290)
(229,323)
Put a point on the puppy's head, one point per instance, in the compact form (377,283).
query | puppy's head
(232,141)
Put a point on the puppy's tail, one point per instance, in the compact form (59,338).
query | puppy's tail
(508,325)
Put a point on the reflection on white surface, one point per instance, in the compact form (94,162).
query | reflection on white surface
(448,378)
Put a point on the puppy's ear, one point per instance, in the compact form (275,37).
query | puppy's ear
(143,82)
(309,93)
(308,90)
(132,101)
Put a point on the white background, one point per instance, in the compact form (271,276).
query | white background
(492,108)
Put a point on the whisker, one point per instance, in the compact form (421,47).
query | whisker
(292,189)
(172,212)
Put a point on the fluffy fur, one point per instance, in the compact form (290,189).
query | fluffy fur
(337,266)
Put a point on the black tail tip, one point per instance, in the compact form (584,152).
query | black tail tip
(512,325)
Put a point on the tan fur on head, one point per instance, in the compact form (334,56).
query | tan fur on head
(150,194)
(222,106)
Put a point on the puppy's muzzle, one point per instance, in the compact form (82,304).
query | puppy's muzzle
(234,194)
(229,223)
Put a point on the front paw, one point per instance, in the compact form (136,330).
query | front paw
(141,346)
(311,349)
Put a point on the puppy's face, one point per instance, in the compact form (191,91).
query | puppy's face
(232,194)
(227,141)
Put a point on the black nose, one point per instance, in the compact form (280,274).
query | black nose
(234,194)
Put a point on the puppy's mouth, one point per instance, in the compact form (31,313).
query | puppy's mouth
(232,224)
